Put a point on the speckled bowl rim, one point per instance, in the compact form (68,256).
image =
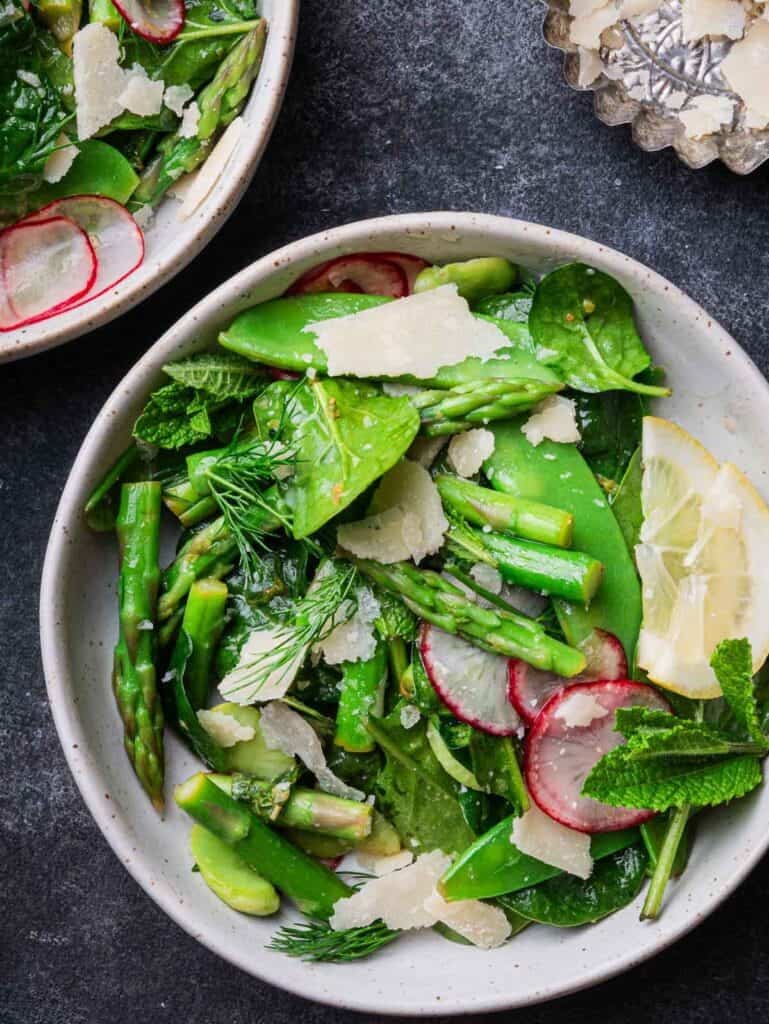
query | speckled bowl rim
(60,686)
(260,116)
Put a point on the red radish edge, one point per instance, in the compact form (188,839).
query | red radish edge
(145,24)
(58,307)
(573,810)
(529,689)
(466,710)
(59,208)
(366,272)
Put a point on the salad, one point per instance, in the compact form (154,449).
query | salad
(464,637)
(102,112)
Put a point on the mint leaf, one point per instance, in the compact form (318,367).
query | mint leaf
(222,375)
(732,663)
(653,734)
(176,416)
(622,780)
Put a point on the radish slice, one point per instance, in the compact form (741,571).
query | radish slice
(277,374)
(530,689)
(45,267)
(159,21)
(410,265)
(571,734)
(469,681)
(364,272)
(116,237)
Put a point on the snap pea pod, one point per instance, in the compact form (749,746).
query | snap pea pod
(227,875)
(558,475)
(531,520)
(492,866)
(203,622)
(362,694)
(312,887)
(475,279)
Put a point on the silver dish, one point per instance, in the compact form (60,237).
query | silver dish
(649,67)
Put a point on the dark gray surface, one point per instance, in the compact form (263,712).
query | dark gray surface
(393,107)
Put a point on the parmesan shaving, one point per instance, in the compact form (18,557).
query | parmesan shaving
(284,729)
(580,709)
(98,77)
(416,335)
(488,577)
(540,836)
(140,94)
(208,175)
(480,923)
(176,96)
(705,115)
(425,450)
(190,120)
(407,519)
(469,451)
(60,161)
(236,687)
(702,18)
(554,418)
(225,729)
(745,69)
(354,640)
(383,865)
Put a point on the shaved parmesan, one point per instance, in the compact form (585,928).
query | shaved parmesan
(284,729)
(397,899)
(354,640)
(141,95)
(409,716)
(745,69)
(190,120)
(554,418)
(712,18)
(488,577)
(469,451)
(176,96)
(397,390)
(425,450)
(225,729)
(590,67)
(580,709)
(60,161)
(525,601)
(237,685)
(547,840)
(99,79)
(416,335)
(480,923)
(705,115)
(407,519)
(591,19)
(208,175)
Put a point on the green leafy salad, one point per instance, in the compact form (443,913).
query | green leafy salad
(102,111)
(463,636)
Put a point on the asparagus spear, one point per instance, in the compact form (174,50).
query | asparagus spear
(529,519)
(479,401)
(572,575)
(186,504)
(212,546)
(133,679)
(362,693)
(434,599)
(219,103)
(203,623)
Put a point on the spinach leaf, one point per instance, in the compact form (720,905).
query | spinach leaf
(414,792)
(567,902)
(610,425)
(495,766)
(345,436)
(32,111)
(582,325)
(626,504)
(514,306)
(219,374)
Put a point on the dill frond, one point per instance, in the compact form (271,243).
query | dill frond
(318,942)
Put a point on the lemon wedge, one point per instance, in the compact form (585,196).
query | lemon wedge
(702,558)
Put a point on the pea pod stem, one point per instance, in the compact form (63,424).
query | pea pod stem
(664,866)
(558,572)
(311,886)
(435,600)
(531,520)
(134,679)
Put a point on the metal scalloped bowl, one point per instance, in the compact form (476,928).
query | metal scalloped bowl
(172,243)
(719,395)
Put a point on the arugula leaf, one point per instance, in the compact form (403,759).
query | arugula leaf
(567,902)
(414,792)
(669,762)
(732,662)
(345,436)
(221,375)
(582,325)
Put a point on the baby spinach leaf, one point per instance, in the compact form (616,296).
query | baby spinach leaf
(582,325)
(495,765)
(514,306)
(221,375)
(414,792)
(567,902)
(610,425)
(345,436)
(626,504)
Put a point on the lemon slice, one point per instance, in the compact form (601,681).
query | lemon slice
(702,554)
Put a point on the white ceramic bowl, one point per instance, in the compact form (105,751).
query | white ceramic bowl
(719,396)
(172,243)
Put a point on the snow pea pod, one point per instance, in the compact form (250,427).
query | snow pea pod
(558,475)
(492,866)
(98,170)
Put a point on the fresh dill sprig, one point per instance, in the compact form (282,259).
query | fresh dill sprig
(318,942)
(331,600)
(237,480)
